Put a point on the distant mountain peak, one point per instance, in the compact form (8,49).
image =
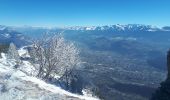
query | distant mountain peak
(2,27)
(118,27)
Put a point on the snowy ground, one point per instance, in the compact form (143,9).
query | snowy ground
(17,84)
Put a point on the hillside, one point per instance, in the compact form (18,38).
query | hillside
(20,83)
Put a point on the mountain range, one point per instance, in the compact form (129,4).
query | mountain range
(117,27)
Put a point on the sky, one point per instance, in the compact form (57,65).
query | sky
(56,13)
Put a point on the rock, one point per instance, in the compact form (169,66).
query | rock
(163,92)
(168,65)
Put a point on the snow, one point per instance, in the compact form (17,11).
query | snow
(3,56)
(16,83)
(6,35)
(91,28)
(2,27)
(22,52)
(28,70)
(49,87)
(87,92)
(118,27)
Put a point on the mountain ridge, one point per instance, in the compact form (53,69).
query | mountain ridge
(116,27)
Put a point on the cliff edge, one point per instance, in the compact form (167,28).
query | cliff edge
(163,92)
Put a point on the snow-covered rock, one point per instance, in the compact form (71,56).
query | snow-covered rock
(23,52)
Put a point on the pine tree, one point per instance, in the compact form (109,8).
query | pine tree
(13,53)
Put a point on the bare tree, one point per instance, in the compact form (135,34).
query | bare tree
(55,56)
(37,53)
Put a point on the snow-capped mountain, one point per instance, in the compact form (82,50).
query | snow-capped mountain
(118,27)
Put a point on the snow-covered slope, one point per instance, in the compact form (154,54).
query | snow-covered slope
(17,84)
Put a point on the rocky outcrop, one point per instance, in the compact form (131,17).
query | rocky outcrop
(168,65)
(163,92)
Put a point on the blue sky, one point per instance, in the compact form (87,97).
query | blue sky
(84,12)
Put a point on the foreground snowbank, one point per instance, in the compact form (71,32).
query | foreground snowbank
(15,84)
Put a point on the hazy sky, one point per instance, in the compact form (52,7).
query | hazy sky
(84,12)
